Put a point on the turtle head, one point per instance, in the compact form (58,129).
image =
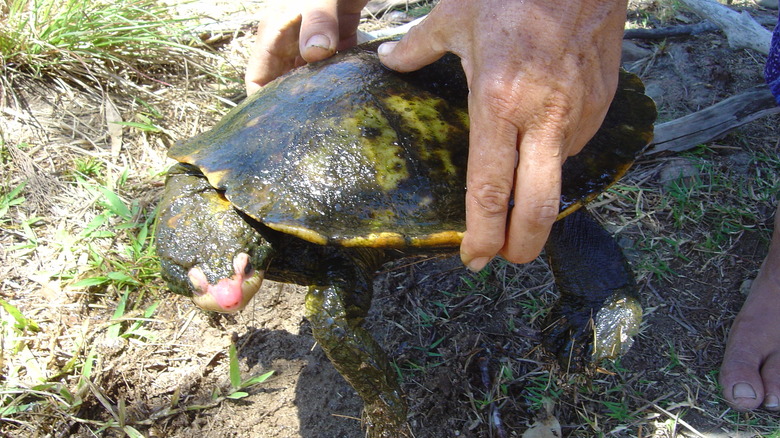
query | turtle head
(208,250)
(221,273)
(228,294)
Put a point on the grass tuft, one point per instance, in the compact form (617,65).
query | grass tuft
(91,44)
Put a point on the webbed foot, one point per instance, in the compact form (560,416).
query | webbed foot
(578,336)
(598,300)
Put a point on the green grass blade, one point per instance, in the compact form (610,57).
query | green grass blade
(235,369)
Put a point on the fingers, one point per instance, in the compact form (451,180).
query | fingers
(537,196)
(520,234)
(275,50)
(328,26)
(319,31)
(514,155)
(418,48)
(489,179)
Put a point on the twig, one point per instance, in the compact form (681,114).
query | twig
(495,413)
(714,121)
(680,420)
(704,26)
(375,7)
(670,31)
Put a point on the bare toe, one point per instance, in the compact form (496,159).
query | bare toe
(770,375)
(750,373)
(739,376)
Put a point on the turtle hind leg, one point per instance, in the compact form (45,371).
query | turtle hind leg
(336,317)
(598,312)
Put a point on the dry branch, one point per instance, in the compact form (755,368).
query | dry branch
(670,31)
(741,29)
(713,121)
(683,29)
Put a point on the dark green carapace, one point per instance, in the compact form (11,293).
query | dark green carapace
(342,165)
(347,152)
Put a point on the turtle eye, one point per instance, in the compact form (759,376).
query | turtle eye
(242,265)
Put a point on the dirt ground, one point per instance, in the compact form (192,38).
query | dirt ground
(465,345)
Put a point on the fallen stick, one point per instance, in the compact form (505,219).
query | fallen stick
(714,121)
(680,30)
(670,31)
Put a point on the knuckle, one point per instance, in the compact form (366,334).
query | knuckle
(491,200)
(552,109)
(558,116)
(499,99)
(558,108)
(543,213)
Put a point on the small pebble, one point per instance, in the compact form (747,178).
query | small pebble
(744,288)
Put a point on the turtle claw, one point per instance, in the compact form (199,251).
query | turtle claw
(569,338)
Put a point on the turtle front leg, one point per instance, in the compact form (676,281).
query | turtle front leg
(336,317)
(598,312)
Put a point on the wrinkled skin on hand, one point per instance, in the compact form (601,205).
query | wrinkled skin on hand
(565,55)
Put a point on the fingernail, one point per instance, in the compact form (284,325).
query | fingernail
(771,402)
(386,48)
(475,264)
(320,41)
(743,390)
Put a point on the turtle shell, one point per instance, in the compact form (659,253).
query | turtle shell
(348,152)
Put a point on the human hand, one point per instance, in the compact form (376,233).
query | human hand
(541,76)
(293,37)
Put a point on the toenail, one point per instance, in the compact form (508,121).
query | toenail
(743,390)
(771,402)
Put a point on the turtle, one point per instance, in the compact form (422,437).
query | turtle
(342,165)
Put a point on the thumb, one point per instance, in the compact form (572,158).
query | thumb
(415,50)
(319,32)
